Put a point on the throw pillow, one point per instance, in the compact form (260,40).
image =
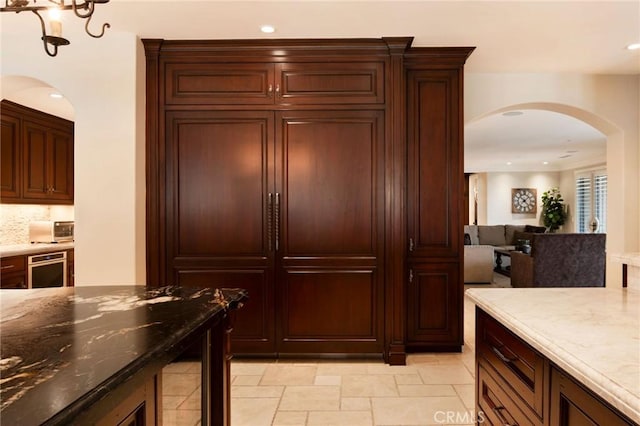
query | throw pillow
(467,239)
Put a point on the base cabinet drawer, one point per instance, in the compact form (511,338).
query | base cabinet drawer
(573,405)
(495,404)
(514,361)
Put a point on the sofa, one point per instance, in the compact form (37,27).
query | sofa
(482,240)
(561,260)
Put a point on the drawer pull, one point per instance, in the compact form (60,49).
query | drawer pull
(498,411)
(501,356)
(7,267)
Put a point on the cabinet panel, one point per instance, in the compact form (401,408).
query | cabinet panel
(219,174)
(572,405)
(35,160)
(13,272)
(10,181)
(219,83)
(330,311)
(333,82)
(332,183)
(60,173)
(433,305)
(253,328)
(435,174)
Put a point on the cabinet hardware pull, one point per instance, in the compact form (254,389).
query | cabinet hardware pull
(7,267)
(277,90)
(410,244)
(277,219)
(498,411)
(270,90)
(410,275)
(502,357)
(269,219)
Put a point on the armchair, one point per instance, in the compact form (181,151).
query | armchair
(561,260)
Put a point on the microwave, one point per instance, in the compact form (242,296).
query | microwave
(48,231)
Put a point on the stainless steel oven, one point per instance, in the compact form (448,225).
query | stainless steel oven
(47,270)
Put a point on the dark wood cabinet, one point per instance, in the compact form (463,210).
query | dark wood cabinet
(71,275)
(11,178)
(13,272)
(39,156)
(279,166)
(435,204)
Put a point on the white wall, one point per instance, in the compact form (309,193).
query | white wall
(101,79)
(611,104)
(499,187)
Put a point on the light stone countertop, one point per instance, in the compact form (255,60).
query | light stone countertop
(631,259)
(591,333)
(28,249)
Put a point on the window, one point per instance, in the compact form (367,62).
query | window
(591,201)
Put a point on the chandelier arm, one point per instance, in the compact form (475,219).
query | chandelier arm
(44,36)
(89,6)
(104,27)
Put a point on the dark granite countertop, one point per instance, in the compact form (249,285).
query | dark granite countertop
(63,349)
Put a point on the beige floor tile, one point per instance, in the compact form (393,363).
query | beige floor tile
(355,404)
(282,374)
(172,402)
(419,359)
(426,390)
(380,369)
(253,411)
(369,385)
(290,418)
(341,368)
(340,418)
(467,394)
(328,380)
(310,398)
(179,384)
(180,417)
(408,379)
(449,374)
(248,368)
(193,402)
(415,411)
(246,380)
(256,391)
(182,367)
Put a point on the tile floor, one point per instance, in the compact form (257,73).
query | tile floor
(432,389)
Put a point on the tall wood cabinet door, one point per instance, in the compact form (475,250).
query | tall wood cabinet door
(35,183)
(219,223)
(434,318)
(330,180)
(60,165)
(10,179)
(435,163)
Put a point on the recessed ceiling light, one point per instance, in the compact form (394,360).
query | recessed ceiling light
(508,163)
(634,46)
(512,113)
(56,95)
(267,29)
(545,162)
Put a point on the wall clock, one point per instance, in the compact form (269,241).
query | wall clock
(523,200)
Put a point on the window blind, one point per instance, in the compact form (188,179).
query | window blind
(591,200)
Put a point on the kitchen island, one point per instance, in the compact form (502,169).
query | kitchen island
(94,355)
(552,355)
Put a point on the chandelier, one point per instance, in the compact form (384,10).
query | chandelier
(51,41)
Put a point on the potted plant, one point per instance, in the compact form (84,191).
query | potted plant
(554,212)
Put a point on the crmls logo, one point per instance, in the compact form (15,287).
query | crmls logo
(458,417)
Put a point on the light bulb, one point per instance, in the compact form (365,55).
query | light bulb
(55,21)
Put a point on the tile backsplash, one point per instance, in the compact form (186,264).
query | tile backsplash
(15,218)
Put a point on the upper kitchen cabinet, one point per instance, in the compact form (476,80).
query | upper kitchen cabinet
(268,83)
(37,156)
